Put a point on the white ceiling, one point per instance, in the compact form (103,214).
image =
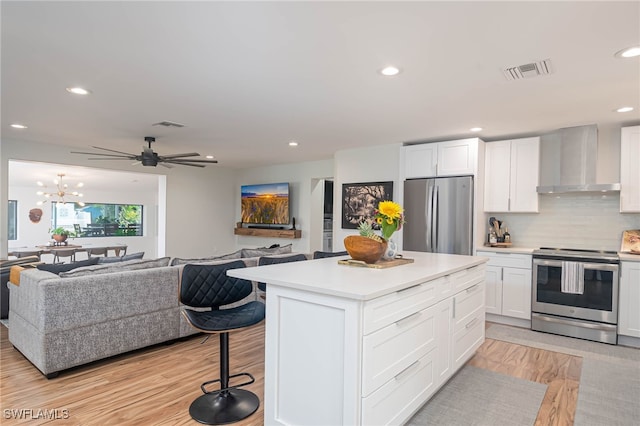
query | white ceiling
(247,77)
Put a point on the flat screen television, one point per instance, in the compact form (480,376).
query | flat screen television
(265,204)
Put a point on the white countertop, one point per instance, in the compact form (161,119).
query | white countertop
(629,257)
(326,276)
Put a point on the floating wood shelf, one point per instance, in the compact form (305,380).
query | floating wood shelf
(272,233)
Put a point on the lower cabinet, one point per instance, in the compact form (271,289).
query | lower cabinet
(629,306)
(508,284)
(407,360)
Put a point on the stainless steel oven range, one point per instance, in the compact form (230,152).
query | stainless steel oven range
(575,293)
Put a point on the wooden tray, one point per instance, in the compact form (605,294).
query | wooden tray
(498,245)
(380,264)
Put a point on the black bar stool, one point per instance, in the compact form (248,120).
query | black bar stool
(208,286)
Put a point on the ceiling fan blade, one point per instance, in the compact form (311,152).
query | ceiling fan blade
(182,163)
(168,166)
(110,158)
(107,156)
(112,150)
(190,154)
(193,161)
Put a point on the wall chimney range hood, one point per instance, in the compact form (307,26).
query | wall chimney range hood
(568,162)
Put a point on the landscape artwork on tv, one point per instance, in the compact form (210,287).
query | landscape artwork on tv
(265,203)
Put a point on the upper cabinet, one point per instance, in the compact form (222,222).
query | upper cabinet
(629,170)
(511,175)
(452,158)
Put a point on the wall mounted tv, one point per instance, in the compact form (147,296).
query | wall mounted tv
(265,204)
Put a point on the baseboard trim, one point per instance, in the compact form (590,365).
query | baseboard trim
(501,319)
(634,342)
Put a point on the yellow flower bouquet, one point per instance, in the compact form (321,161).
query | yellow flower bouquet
(389,216)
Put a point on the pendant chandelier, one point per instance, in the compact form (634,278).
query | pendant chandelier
(61,191)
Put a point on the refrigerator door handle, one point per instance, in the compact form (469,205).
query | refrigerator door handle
(429,217)
(436,210)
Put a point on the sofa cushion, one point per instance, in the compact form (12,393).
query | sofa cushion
(131,265)
(115,259)
(201,260)
(57,268)
(266,251)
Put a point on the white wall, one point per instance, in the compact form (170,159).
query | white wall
(303,178)
(370,164)
(200,212)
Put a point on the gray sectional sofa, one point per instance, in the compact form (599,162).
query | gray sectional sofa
(90,313)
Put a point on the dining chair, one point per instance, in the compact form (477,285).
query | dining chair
(97,251)
(64,253)
(21,254)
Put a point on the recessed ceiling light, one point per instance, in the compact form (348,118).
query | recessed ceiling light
(624,109)
(629,52)
(78,90)
(475,129)
(390,71)
(293,143)
(209,157)
(18,126)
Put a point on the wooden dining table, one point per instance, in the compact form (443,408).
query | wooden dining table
(50,249)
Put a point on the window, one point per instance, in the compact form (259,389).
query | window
(13,220)
(98,220)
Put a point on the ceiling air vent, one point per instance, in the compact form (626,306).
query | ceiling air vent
(168,124)
(533,69)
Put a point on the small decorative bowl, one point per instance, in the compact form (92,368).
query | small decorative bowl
(364,249)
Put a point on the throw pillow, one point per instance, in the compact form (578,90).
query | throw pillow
(114,259)
(133,256)
(131,265)
(266,252)
(180,261)
(57,268)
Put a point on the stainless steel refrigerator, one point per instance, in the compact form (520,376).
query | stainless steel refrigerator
(439,214)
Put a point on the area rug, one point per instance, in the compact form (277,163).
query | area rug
(610,380)
(475,396)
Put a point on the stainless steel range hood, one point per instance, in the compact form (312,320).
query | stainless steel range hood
(568,161)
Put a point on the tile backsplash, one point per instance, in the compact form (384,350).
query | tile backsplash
(576,220)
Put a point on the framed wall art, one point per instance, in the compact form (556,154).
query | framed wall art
(360,200)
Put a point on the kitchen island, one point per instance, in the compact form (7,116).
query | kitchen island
(355,345)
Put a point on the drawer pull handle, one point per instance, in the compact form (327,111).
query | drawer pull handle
(472,289)
(408,288)
(471,323)
(406,370)
(408,318)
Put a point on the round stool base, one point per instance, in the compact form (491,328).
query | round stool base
(224,407)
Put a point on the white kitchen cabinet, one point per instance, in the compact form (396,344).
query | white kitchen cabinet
(511,175)
(508,284)
(452,158)
(629,170)
(629,305)
(493,289)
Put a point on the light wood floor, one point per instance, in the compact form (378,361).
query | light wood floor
(155,386)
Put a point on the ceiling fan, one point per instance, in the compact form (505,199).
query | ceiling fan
(148,157)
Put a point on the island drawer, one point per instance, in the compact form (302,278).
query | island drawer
(402,395)
(385,310)
(466,278)
(468,338)
(391,350)
(465,303)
